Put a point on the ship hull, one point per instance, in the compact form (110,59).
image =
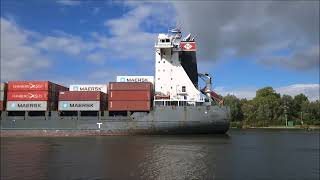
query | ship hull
(161,120)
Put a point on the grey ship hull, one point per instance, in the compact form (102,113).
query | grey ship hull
(161,120)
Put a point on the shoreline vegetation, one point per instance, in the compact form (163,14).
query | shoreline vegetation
(269,110)
(236,125)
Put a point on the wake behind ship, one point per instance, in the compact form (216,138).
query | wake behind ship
(171,102)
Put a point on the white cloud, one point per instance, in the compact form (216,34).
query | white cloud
(71,45)
(98,57)
(18,55)
(310,90)
(130,23)
(69,2)
(301,60)
(128,39)
(248,93)
(21,55)
(254,30)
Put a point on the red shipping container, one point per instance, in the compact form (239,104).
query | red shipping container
(29,85)
(28,95)
(1,105)
(34,86)
(82,96)
(129,105)
(129,95)
(130,86)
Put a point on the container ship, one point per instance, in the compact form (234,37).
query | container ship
(170,102)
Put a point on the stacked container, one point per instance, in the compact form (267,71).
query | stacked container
(3,94)
(129,96)
(33,95)
(82,101)
(89,87)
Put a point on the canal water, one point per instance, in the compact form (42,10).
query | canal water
(242,154)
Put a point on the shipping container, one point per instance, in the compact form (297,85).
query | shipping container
(29,85)
(27,106)
(82,96)
(3,86)
(79,105)
(34,86)
(129,105)
(30,96)
(2,95)
(135,79)
(2,106)
(129,96)
(130,86)
(89,87)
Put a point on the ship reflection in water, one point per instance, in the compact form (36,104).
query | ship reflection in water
(245,154)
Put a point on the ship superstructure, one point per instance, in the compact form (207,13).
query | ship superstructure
(176,74)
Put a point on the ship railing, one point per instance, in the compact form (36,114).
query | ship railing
(167,102)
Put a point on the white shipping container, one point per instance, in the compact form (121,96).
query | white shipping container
(1,95)
(3,86)
(135,79)
(26,105)
(88,87)
(79,105)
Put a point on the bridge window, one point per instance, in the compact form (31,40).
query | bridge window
(183,88)
(162,40)
(167,40)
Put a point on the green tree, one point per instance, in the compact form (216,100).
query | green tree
(298,101)
(287,104)
(267,106)
(235,107)
(310,112)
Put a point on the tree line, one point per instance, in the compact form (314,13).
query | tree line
(269,108)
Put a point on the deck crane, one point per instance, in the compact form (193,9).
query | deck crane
(207,89)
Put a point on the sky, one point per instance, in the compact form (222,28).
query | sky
(244,45)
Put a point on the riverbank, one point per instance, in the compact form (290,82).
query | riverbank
(278,127)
